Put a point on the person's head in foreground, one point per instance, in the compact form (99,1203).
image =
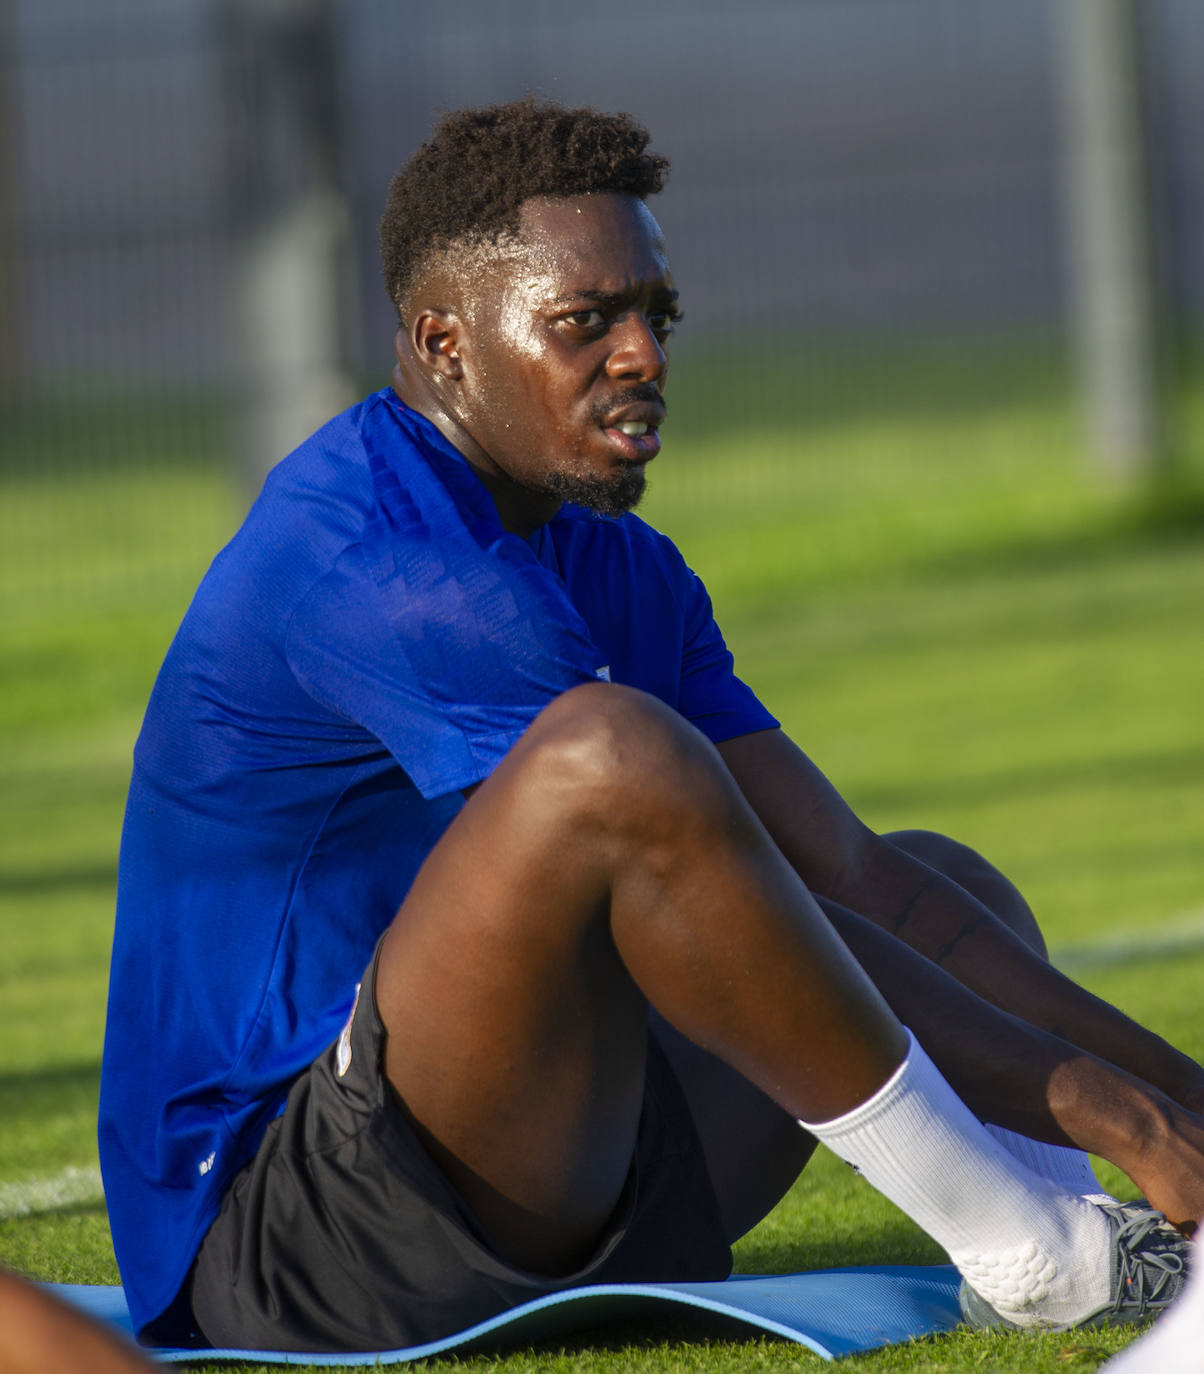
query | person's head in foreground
(40,1333)
(535,301)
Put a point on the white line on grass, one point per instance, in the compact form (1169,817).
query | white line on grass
(32,1196)
(1182,936)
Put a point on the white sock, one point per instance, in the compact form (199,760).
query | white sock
(1035,1251)
(1058,1163)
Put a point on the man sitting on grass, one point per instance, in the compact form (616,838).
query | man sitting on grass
(479,931)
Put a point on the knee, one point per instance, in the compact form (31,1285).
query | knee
(967,867)
(947,855)
(616,754)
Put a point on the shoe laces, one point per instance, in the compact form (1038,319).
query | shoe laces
(1146,1275)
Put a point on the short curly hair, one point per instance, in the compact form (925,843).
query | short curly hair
(468,183)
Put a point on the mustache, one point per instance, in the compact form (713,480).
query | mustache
(628,396)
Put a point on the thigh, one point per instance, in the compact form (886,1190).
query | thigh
(754,1150)
(517,1029)
(516,1038)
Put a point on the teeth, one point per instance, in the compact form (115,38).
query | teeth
(632,428)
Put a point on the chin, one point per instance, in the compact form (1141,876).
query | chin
(609,496)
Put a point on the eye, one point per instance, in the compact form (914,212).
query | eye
(584,319)
(663,321)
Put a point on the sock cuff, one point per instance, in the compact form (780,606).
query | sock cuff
(878,1101)
(1061,1165)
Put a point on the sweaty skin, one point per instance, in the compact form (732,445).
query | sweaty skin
(530,367)
(689,884)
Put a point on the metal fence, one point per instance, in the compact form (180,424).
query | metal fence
(173,173)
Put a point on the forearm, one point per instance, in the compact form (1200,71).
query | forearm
(1017,1075)
(940,920)
(1000,1065)
(840,858)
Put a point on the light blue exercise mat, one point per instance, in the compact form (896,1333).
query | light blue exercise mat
(831,1311)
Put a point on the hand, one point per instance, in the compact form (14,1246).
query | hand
(1173,1180)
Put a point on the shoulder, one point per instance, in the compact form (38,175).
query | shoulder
(322,500)
(331,484)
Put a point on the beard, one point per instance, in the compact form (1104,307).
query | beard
(608,496)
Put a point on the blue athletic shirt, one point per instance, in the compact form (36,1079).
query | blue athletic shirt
(370,642)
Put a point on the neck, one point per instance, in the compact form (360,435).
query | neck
(521,511)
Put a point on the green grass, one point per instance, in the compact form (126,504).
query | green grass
(963,629)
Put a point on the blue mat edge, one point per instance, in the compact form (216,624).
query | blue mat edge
(931,1292)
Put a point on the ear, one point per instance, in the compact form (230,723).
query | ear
(436,335)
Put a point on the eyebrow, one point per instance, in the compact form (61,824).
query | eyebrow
(613,298)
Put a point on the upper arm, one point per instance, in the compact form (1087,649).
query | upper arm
(445,652)
(805,815)
(709,693)
(831,849)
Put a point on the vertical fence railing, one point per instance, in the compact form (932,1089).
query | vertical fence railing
(115,245)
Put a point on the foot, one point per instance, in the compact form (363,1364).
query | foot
(1149,1268)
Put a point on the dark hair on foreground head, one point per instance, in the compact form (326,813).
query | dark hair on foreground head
(468,182)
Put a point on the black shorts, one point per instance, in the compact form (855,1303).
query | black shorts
(343,1234)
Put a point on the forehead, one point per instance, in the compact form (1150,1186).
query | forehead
(602,241)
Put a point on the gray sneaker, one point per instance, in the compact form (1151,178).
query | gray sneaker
(1149,1267)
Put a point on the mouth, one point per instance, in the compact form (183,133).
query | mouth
(634,431)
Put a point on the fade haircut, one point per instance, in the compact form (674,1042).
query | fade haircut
(468,183)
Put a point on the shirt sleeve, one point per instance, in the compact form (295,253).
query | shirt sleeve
(710,695)
(442,642)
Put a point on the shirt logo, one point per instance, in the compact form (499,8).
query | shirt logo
(603,673)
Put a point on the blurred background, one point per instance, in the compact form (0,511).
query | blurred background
(877,206)
(936,436)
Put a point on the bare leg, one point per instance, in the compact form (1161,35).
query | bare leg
(981,879)
(966,867)
(754,1150)
(610,861)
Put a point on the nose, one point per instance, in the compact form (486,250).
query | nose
(637,352)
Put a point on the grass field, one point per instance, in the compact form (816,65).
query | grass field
(960,627)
